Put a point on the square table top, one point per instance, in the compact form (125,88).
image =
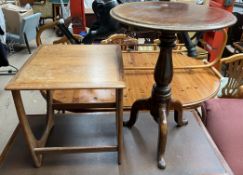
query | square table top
(71,67)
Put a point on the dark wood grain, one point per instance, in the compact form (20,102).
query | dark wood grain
(168,18)
(172,16)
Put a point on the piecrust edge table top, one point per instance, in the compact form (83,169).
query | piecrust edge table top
(176,16)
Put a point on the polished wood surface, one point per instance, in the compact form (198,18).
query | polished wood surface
(189,85)
(168,18)
(71,67)
(172,16)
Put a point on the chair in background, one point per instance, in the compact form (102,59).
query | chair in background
(128,43)
(40,6)
(45,8)
(14,15)
(235,39)
(235,31)
(27,29)
(223,117)
(238,46)
(61,40)
(123,40)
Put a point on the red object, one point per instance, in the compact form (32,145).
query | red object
(221,4)
(215,39)
(78,16)
(226,131)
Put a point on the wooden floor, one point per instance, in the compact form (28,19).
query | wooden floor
(188,150)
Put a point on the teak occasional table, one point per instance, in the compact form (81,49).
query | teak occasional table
(65,67)
(168,18)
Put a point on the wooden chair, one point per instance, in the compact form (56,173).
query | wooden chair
(126,42)
(51,25)
(223,117)
(239,45)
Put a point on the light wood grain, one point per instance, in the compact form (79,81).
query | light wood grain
(234,85)
(189,86)
(71,67)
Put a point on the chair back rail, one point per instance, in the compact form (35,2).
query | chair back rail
(233,88)
(51,25)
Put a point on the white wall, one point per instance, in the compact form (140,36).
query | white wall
(88,3)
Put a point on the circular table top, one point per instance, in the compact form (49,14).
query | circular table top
(173,16)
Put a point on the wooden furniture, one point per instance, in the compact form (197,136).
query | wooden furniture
(168,18)
(56,8)
(50,25)
(123,40)
(189,86)
(139,66)
(201,83)
(239,45)
(129,43)
(45,8)
(66,67)
(223,116)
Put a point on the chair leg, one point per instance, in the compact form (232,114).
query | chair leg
(27,43)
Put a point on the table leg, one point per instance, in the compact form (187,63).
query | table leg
(159,102)
(162,135)
(32,142)
(119,114)
(178,113)
(142,104)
